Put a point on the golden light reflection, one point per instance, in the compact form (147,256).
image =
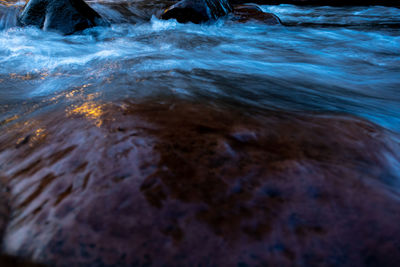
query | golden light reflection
(38,135)
(10,119)
(44,75)
(90,110)
(9,2)
(91,97)
(30,75)
(75,94)
(72,93)
(25,77)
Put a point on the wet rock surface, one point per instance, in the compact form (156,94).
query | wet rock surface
(179,183)
(4,208)
(197,11)
(252,12)
(65,16)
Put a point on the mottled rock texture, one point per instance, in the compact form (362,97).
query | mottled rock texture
(186,184)
(252,12)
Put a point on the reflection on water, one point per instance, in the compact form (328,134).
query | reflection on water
(101,131)
(352,69)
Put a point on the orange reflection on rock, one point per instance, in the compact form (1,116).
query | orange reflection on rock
(25,77)
(8,120)
(90,110)
(9,2)
(32,139)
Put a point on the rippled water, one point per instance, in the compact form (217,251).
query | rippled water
(98,140)
(324,59)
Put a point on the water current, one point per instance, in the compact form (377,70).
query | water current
(329,59)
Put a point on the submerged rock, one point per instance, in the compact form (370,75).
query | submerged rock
(197,11)
(64,16)
(183,184)
(248,12)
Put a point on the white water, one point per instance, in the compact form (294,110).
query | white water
(344,60)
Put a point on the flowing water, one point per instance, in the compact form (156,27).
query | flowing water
(101,129)
(343,60)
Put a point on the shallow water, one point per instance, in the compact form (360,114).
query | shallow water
(101,130)
(344,60)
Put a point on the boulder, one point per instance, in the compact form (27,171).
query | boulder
(189,184)
(197,11)
(64,16)
(252,12)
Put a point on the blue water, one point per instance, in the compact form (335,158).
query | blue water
(344,60)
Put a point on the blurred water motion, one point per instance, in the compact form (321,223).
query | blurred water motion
(222,143)
(351,67)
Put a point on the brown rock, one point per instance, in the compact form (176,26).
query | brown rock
(185,184)
(197,11)
(251,12)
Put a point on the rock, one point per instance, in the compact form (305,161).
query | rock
(390,3)
(122,12)
(13,261)
(64,16)
(4,208)
(184,184)
(252,12)
(197,11)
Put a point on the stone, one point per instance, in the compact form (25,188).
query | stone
(64,16)
(175,183)
(197,11)
(252,12)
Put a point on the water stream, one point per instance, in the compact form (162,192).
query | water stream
(343,60)
(209,144)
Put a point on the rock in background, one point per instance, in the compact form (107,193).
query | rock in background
(64,16)
(197,11)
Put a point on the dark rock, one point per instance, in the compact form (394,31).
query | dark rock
(299,190)
(197,11)
(14,261)
(65,16)
(4,209)
(248,12)
(391,3)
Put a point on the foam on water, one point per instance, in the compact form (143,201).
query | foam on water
(312,66)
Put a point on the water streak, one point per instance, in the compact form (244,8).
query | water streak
(335,59)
